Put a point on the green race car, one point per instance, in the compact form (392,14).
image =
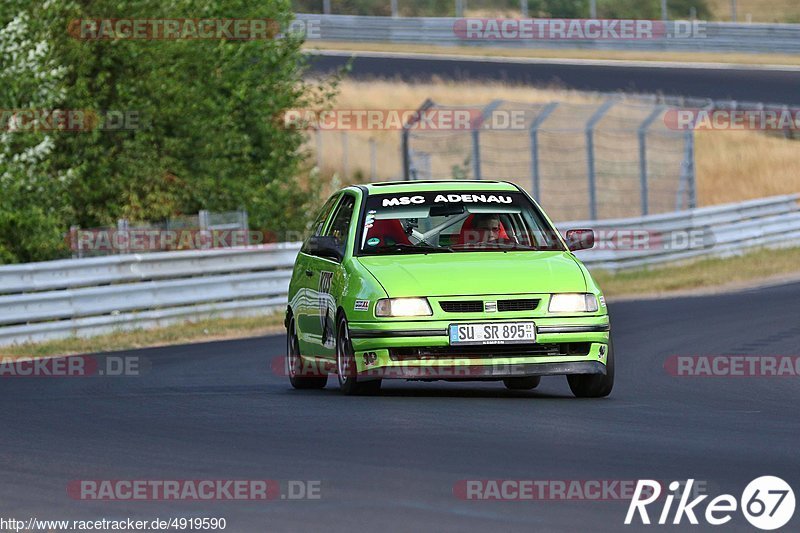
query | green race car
(453,280)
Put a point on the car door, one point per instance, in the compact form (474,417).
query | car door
(325,281)
(305,280)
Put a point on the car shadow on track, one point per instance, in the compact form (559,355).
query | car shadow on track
(431,390)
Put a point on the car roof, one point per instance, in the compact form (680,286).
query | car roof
(399,187)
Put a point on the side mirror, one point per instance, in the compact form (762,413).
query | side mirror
(325,246)
(580,239)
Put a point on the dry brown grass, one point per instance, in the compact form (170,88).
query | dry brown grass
(759,10)
(207,330)
(731,166)
(386,94)
(742,165)
(747,10)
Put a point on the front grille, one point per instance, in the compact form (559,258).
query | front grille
(566,349)
(517,305)
(476,306)
(463,306)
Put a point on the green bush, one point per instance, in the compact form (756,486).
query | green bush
(209,134)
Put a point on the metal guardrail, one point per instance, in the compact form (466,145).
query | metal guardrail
(713,37)
(716,231)
(84,297)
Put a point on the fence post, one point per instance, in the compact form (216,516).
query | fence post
(645,196)
(345,162)
(75,241)
(395,14)
(534,134)
(733,10)
(373,160)
(202,219)
(476,154)
(593,9)
(122,227)
(592,122)
(319,148)
(326,7)
(406,155)
(459,8)
(486,112)
(664,13)
(523,8)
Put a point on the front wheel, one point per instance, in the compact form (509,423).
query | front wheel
(346,365)
(594,385)
(295,363)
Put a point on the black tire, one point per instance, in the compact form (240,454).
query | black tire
(346,365)
(294,363)
(594,385)
(524,383)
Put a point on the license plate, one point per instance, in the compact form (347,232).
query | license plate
(495,333)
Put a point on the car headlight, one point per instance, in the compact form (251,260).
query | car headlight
(403,307)
(573,303)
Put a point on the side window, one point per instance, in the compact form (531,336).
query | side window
(341,220)
(319,223)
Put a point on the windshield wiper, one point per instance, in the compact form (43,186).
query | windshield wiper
(412,248)
(502,246)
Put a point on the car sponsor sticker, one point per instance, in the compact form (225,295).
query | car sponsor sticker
(361,305)
(374,241)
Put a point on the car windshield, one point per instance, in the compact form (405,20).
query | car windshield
(454,221)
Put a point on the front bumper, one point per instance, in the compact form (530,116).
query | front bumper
(422,350)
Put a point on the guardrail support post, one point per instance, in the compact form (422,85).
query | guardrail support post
(645,196)
(395,13)
(593,9)
(523,8)
(664,12)
(534,133)
(459,8)
(592,122)
(326,7)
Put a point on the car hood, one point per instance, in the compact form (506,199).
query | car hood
(472,273)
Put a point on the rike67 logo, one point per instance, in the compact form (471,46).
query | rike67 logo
(767,503)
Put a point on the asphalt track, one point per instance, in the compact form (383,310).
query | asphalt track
(389,463)
(701,81)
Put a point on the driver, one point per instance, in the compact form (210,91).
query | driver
(487,226)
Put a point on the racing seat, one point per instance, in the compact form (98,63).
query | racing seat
(389,231)
(468,233)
